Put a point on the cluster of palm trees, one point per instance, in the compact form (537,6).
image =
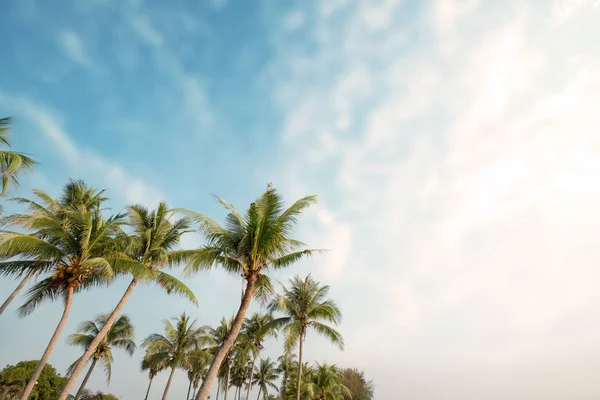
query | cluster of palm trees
(300,307)
(69,244)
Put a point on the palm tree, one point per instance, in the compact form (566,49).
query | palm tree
(257,328)
(120,335)
(266,374)
(305,306)
(214,338)
(286,364)
(305,381)
(68,240)
(325,383)
(153,362)
(247,246)
(175,344)
(150,246)
(197,362)
(12,164)
(76,195)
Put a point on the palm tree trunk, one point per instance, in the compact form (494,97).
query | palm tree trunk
(229,341)
(235,395)
(53,340)
(299,382)
(188,394)
(259,390)
(16,292)
(87,376)
(168,384)
(194,392)
(99,337)
(226,382)
(251,375)
(218,388)
(148,390)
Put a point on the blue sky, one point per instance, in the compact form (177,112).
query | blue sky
(453,143)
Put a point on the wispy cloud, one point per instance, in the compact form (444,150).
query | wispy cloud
(461,162)
(74,48)
(123,185)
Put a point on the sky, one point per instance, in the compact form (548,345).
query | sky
(454,146)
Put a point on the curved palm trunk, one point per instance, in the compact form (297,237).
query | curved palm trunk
(299,382)
(188,393)
(259,391)
(218,389)
(168,384)
(92,347)
(15,292)
(228,343)
(251,375)
(53,340)
(87,376)
(148,390)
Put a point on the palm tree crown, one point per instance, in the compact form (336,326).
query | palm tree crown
(265,376)
(120,335)
(12,164)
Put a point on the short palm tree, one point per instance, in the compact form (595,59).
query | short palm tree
(196,364)
(325,383)
(70,241)
(247,246)
(76,195)
(257,328)
(154,236)
(120,335)
(12,164)
(284,367)
(173,346)
(153,363)
(265,377)
(305,305)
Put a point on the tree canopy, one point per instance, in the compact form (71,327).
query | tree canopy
(13,379)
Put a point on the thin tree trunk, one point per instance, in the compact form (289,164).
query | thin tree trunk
(148,390)
(194,392)
(15,292)
(229,341)
(251,375)
(99,337)
(218,388)
(53,340)
(226,382)
(188,394)
(298,384)
(259,390)
(168,384)
(237,390)
(87,376)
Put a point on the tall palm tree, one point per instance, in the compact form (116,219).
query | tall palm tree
(153,362)
(12,164)
(178,340)
(76,195)
(69,241)
(154,236)
(305,305)
(213,339)
(265,377)
(285,367)
(120,335)
(248,246)
(258,328)
(325,383)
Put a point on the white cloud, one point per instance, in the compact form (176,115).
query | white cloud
(122,185)
(73,46)
(464,169)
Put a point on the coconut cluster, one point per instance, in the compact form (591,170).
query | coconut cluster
(73,275)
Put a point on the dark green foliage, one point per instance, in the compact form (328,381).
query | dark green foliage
(13,380)
(355,380)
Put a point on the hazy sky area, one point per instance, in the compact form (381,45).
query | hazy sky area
(454,144)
